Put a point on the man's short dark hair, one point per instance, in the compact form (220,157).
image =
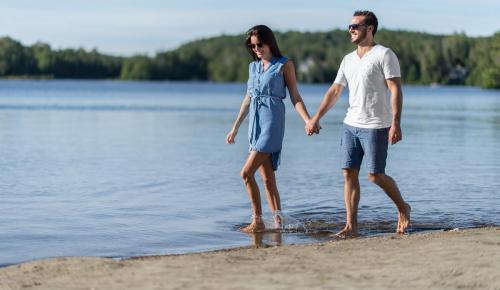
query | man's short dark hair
(370,18)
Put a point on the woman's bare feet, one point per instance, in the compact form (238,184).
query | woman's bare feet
(257,226)
(404,220)
(347,232)
(278,220)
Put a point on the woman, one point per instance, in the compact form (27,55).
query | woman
(269,75)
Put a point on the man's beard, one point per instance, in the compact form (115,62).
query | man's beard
(361,36)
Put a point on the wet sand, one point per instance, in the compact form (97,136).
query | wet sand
(465,259)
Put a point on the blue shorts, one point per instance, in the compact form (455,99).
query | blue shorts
(359,142)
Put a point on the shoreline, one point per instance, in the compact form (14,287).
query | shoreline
(264,241)
(468,258)
(209,82)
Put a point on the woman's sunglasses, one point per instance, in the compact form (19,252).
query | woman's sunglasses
(254,46)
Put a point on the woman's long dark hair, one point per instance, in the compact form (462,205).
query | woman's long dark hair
(266,36)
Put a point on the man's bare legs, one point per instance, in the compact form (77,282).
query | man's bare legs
(254,161)
(273,197)
(391,189)
(352,193)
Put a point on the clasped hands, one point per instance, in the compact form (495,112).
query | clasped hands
(312,127)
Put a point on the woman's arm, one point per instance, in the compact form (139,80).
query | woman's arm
(291,83)
(245,105)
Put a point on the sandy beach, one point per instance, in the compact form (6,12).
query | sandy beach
(459,259)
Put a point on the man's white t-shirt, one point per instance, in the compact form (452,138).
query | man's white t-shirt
(369,101)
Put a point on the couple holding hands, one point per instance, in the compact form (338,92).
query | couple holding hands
(370,72)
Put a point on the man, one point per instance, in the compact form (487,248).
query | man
(369,72)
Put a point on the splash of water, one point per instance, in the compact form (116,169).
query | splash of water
(284,223)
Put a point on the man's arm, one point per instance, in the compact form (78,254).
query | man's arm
(394,85)
(329,100)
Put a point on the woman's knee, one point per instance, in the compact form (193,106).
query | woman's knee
(246,175)
(269,181)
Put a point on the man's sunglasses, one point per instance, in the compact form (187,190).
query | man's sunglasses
(356,26)
(254,46)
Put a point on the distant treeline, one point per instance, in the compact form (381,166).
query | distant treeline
(424,58)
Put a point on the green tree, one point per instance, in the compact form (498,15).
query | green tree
(44,57)
(137,68)
(15,59)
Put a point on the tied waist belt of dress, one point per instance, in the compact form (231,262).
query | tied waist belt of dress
(257,100)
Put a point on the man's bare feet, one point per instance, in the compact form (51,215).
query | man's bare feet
(404,220)
(347,232)
(257,226)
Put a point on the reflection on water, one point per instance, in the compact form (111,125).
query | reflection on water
(89,163)
(267,239)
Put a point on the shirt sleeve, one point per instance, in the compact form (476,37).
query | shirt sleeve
(391,65)
(340,78)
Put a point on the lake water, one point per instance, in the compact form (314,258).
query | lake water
(120,169)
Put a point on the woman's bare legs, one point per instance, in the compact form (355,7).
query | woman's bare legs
(254,161)
(273,197)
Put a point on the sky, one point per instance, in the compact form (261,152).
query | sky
(124,27)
